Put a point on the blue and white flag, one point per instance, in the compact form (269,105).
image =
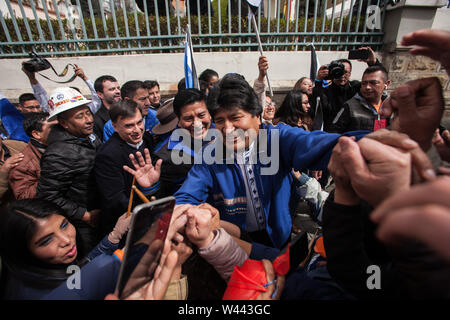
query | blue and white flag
(254,5)
(12,119)
(190,74)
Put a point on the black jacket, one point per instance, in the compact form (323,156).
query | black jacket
(66,173)
(172,175)
(67,179)
(113,182)
(333,97)
(100,118)
(408,270)
(356,114)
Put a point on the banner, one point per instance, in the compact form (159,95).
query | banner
(12,119)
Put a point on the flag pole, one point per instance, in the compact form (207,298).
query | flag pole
(260,47)
(188,44)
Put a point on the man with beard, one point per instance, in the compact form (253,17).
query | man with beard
(113,182)
(108,90)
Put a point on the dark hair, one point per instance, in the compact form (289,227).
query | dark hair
(34,121)
(291,110)
(181,84)
(186,97)
(298,84)
(207,75)
(123,109)
(18,226)
(347,61)
(148,84)
(204,86)
(376,68)
(26,97)
(129,88)
(98,84)
(233,91)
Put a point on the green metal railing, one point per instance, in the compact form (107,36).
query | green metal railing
(95,27)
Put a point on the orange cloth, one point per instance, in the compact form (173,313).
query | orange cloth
(319,247)
(378,106)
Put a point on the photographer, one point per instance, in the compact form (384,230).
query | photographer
(362,111)
(341,89)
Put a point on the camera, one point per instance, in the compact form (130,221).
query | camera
(36,63)
(336,70)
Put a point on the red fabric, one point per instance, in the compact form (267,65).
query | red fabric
(247,282)
(319,247)
(281,264)
(379,124)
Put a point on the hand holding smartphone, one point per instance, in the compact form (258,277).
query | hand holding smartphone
(145,245)
(358,54)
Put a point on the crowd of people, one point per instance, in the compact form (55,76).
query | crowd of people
(368,169)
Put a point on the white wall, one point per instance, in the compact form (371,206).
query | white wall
(285,68)
(442,19)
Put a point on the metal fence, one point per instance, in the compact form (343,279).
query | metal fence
(95,27)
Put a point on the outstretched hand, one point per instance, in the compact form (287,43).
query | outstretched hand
(434,44)
(377,170)
(417,106)
(146,174)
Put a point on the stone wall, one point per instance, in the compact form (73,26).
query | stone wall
(403,67)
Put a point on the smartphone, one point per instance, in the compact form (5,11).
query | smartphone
(144,245)
(358,54)
(298,250)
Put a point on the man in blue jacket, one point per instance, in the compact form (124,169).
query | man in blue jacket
(246,172)
(251,187)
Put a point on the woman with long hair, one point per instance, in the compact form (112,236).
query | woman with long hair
(38,244)
(294,110)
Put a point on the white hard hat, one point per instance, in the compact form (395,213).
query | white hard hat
(63,99)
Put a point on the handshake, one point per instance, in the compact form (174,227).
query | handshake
(194,222)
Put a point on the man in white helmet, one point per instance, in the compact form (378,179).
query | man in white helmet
(66,166)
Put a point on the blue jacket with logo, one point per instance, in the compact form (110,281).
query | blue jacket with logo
(222,184)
